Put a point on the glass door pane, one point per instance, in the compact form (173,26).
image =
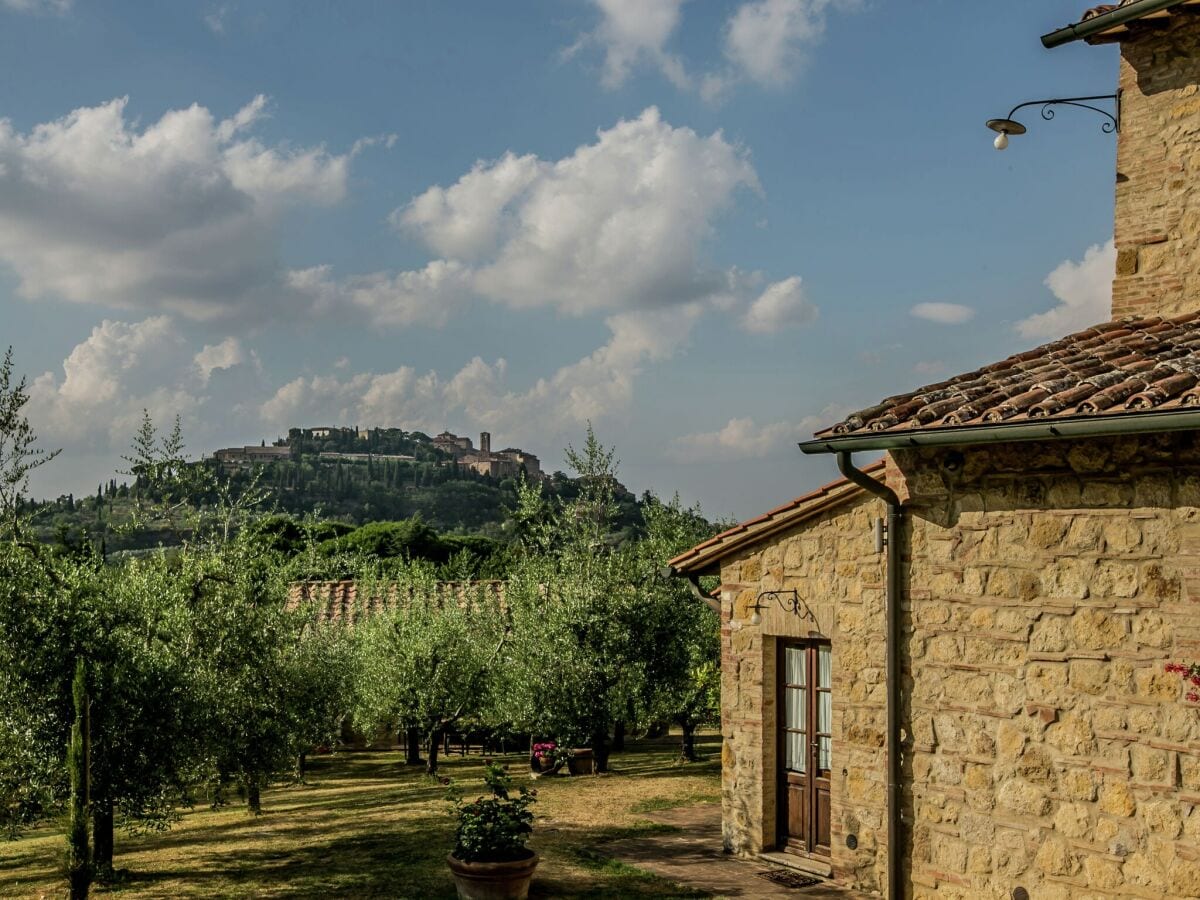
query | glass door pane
(797,759)
(824,705)
(797,666)
(795,703)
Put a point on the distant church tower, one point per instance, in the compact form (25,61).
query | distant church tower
(485,443)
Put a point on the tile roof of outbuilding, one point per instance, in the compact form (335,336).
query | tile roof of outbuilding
(701,558)
(1125,366)
(341,603)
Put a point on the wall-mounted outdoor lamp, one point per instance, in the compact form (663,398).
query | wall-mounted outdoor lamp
(789,601)
(1010,126)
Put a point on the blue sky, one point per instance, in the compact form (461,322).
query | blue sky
(708,227)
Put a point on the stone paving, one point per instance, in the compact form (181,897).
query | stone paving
(692,857)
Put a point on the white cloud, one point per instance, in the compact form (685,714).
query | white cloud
(469,219)
(225,355)
(781,305)
(109,378)
(93,407)
(597,387)
(943,313)
(39,7)
(180,215)
(742,438)
(401,397)
(765,39)
(617,225)
(215,19)
(633,33)
(423,297)
(1084,293)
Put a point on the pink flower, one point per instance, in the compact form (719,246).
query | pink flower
(1193,697)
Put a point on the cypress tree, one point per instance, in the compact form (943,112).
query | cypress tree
(79,864)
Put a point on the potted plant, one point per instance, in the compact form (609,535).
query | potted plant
(490,860)
(547,757)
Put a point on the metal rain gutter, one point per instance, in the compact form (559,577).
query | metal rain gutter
(895,830)
(1049,430)
(1105,21)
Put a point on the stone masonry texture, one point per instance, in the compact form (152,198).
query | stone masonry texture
(1047,585)
(1157,223)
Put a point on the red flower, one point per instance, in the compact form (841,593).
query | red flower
(1193,697)
(1196,679)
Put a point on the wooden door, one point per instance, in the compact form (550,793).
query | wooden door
(805,738)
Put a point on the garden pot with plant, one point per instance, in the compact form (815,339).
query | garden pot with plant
(490,860)
(547,758)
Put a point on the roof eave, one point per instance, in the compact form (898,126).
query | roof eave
(967,435)
(708,560)
(1101,23)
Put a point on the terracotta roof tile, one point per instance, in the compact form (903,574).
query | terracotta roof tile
(340,603)
(1125,366)
(705,554)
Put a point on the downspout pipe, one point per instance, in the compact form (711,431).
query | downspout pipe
(895,517)
(693,583)
(1104,21)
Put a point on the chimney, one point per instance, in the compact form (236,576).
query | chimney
(1157,221)
(485,443)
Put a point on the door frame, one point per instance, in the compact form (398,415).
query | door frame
(783,840)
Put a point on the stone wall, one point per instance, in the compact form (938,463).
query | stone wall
(1049,585)
(832,563)
(1157,222)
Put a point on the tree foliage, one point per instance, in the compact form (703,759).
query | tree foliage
(601,637)
(430,662)
(19,453)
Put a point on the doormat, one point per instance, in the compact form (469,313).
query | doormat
(784,878)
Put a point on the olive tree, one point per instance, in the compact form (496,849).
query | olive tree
(578,663)
(429,662)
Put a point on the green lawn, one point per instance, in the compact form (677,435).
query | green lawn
(367,826)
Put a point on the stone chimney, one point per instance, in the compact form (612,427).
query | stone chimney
(1157,222)
(485,442)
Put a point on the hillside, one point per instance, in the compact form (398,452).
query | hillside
(386,475)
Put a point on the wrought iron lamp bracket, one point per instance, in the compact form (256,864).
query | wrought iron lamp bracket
(788,600)
(1008,125)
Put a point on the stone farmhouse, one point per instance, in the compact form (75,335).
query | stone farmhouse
(947,674)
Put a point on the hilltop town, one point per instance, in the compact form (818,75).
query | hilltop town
(387,445)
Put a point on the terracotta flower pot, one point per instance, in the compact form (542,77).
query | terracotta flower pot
(493,880)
